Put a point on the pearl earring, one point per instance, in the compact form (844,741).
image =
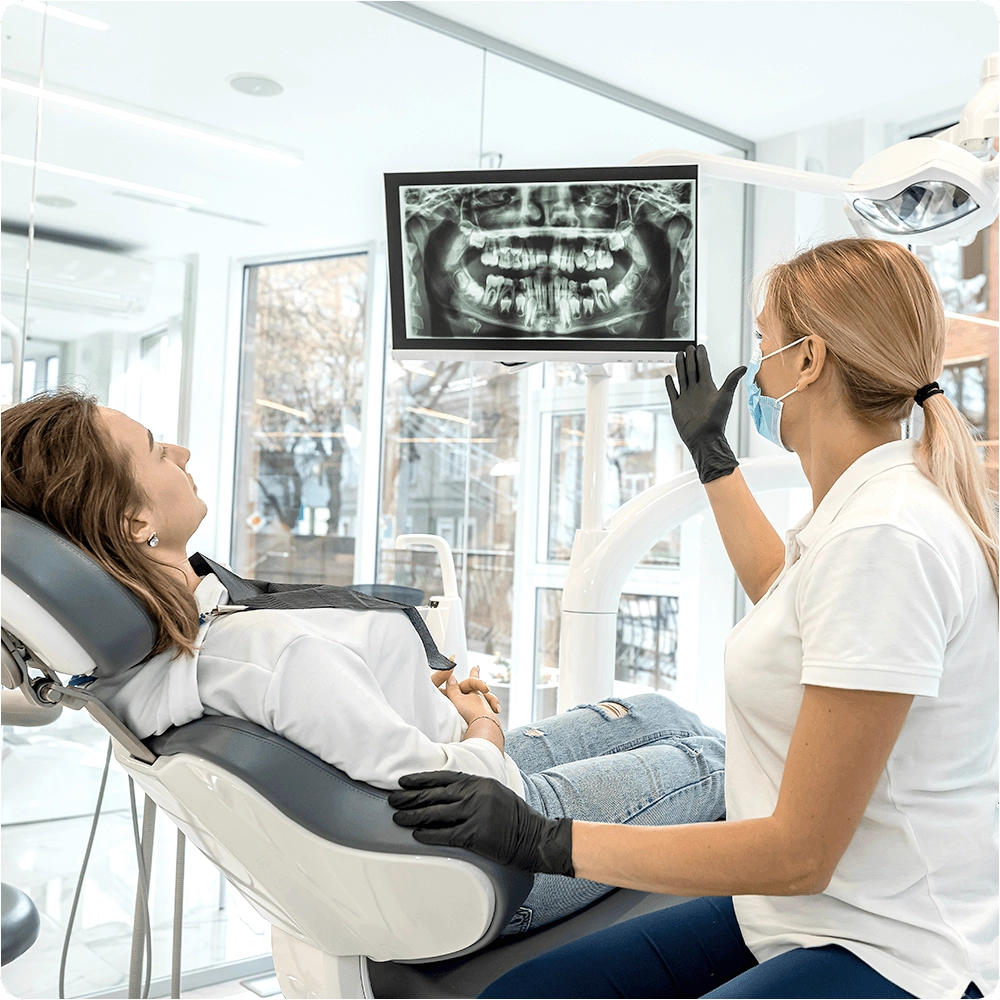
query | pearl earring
(153,541)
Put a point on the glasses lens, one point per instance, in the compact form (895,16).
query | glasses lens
(918,209)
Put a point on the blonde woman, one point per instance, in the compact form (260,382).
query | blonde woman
(859,853)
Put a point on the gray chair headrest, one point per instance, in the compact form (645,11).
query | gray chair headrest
(104,617)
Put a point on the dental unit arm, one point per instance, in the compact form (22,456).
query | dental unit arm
(922,191)
(444,615)
(604,554)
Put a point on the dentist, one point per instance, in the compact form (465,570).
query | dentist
(859,853)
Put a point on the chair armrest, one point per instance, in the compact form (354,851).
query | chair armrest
(322,799)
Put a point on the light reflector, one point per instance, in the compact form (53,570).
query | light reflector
(918,208)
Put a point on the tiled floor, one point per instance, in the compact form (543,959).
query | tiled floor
(50,778)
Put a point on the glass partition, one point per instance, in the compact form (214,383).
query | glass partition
(182,271)
(449,463)
(21,49)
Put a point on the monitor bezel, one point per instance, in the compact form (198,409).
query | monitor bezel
(586,351)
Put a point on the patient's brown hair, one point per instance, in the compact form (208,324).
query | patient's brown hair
(62,467)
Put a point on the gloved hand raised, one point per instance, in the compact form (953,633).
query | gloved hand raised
(700,411)
(481,815)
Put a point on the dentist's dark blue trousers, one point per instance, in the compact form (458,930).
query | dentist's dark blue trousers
(694,949)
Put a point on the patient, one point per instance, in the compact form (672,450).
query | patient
(354,687)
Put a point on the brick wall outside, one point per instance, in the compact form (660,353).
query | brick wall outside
(968,339)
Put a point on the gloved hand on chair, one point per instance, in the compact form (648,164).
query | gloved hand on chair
(700,412)
(462,810)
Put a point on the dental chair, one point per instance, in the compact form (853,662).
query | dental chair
(356,906)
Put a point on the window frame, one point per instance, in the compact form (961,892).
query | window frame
(238,386)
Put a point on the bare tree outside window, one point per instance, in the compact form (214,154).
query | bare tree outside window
(302,378)
(449,468)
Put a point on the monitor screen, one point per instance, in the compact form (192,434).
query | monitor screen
(518,265)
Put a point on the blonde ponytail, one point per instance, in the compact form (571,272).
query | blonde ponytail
(947,455)
(883,322)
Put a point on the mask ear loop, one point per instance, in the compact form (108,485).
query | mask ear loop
(778,351)
(785,348)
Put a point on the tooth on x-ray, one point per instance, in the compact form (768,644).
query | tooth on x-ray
(600,260)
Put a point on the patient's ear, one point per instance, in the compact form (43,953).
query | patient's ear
(138,528)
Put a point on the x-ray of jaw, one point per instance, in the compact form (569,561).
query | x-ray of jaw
(598,260)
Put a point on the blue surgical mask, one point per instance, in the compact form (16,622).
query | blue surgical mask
(765,410)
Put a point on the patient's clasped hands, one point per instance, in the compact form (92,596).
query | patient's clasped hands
(471,696)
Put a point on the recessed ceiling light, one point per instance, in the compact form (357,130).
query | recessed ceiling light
(255,86)
(55,201)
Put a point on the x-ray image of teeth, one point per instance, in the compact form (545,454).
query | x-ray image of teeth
(595,260)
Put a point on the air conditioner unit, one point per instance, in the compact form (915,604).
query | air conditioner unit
(74,278)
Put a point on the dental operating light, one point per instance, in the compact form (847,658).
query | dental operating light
(922,191)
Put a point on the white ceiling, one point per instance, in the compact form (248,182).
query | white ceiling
(759,68)
(368,92)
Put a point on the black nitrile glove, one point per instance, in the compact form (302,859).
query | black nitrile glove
(700,411)
(481,815)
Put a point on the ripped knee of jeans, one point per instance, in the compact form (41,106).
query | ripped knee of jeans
(612,709)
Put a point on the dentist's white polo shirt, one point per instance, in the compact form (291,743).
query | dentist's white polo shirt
(884,589)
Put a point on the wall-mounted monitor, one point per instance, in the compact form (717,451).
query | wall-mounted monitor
(591,265)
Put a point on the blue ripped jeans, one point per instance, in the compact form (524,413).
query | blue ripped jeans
(658,764)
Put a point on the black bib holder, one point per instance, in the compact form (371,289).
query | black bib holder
(257,595)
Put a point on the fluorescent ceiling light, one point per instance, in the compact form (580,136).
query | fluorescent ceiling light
(423,411)
(63,15)
(83,175)
(184,131)
(284,409)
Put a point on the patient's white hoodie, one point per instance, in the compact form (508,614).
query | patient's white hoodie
(352,687)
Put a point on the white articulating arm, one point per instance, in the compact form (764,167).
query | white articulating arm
(595,580)
(730,168)
(449,582)
(445,617)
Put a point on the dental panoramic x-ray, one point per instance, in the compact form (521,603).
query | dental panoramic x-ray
(543,262)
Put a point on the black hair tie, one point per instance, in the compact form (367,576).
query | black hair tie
(925,392)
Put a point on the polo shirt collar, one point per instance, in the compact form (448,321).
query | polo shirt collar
(870,464)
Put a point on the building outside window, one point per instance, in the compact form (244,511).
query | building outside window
(645,650)
(301,394)
(965,384)
(449,467)
(966,277)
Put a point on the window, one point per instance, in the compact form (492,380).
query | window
(449,468)
(965,384)
(642,450)
(645,651)
(301,385)
(960,273)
